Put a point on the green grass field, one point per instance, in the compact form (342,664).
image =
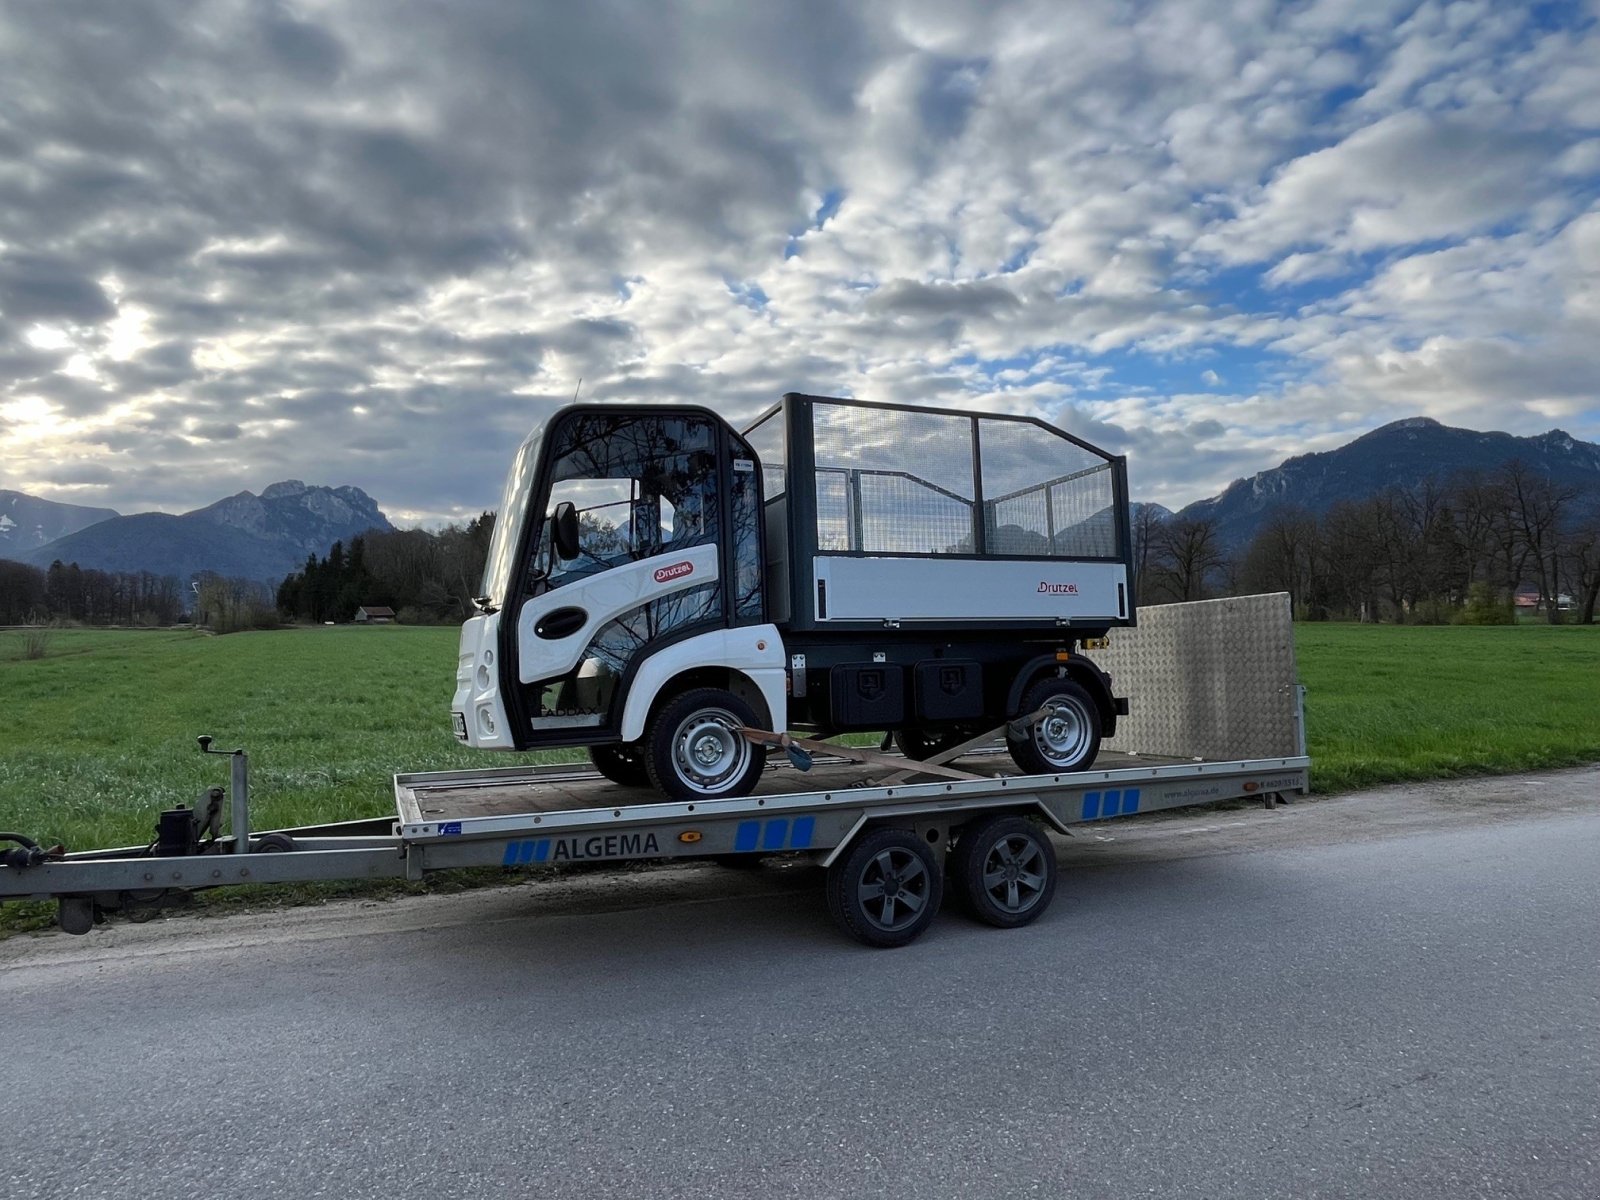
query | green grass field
(1387,703)
(98,735)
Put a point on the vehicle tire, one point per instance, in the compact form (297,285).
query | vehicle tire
(622,764)
(920,745)
(1004,870)
(887,889)
(1066,740)
(273,843)
(694,751)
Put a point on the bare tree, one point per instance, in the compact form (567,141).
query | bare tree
(1187,554)
(1535,505)
(1285,556)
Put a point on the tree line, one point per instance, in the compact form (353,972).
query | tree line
(68,592)
(424,577)
(1456,549)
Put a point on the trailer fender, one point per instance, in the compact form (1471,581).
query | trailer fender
(754,652)
(1078,668)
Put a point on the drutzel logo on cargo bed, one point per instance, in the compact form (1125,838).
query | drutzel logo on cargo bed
(675,571)
(1046,588)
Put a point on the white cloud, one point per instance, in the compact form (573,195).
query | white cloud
(371,246)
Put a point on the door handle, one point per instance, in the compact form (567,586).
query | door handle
(562,623)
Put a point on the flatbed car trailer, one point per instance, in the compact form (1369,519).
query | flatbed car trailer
(890,847)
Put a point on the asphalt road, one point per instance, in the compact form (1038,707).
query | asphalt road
(1392,994)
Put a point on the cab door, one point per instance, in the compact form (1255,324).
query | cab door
(647,489)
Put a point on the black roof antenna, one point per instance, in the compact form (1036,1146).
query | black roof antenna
(577,389)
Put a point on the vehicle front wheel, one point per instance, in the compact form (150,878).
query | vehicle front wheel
(694,750)
(1066,738)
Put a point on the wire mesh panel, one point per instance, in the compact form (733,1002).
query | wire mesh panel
(893,481)
(1045,496)
(766,439)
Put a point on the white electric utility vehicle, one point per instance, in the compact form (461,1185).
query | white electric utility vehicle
(659,582)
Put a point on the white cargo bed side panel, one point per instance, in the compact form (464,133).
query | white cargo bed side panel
(964,589)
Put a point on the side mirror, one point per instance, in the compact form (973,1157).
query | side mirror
(564,530)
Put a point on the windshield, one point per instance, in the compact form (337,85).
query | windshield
(509,521)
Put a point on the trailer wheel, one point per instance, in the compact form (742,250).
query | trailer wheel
(1005,870)
(621,764)
(694,750)
(886,890)
(1065,739)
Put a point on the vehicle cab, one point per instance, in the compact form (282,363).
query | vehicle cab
(627,557)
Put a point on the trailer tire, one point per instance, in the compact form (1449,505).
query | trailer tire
(1067,740)
(886,890)
(621,764)
(1004,869)
(694,750)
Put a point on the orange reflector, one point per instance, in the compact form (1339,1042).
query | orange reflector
(689,836)
(1062,656)
(1251,786)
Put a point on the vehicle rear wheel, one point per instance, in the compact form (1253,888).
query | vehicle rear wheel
(623,764)
(1004,868)
(1066,738)
(694,750)
(886,890)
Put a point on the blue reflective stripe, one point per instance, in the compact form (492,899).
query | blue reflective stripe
(541,850)
(1113,801)
(775,834)
(525,854)
(1130,800)
(512,850)
(1091,805)
(804,827)
(747,836)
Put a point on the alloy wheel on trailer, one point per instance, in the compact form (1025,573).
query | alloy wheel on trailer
(1005,868)
(887,889)
(1066,737)
(694,750)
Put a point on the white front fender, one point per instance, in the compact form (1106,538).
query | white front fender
(755,651)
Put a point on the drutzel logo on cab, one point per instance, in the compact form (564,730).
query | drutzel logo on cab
(1046,588)
(675,571)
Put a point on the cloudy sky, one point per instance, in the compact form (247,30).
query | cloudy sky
(373,241)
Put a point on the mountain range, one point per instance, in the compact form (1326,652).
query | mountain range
(247,536)
(268,536)
(27,522)
(1402,452)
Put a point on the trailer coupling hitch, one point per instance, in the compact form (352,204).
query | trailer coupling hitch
(27,852)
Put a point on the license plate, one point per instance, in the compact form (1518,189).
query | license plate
(460,720)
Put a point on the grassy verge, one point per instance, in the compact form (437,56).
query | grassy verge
(1386,704)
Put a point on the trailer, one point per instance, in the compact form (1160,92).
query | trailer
(1219,717)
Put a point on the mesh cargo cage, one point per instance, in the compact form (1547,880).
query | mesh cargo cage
(904,499)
